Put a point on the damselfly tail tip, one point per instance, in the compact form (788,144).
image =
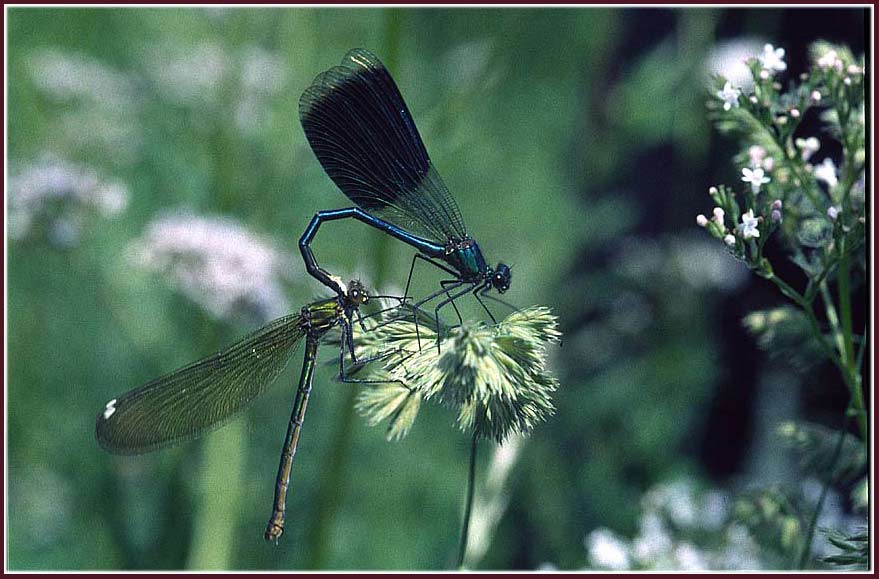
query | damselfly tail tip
(273,532)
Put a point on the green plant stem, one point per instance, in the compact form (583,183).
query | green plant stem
(468,505)
(861,349)
(849,376)
(218,500)
(813,522)
(845,306)
(832,319)
(332,481)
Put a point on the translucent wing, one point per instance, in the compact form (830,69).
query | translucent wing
(198,397)
(364,137)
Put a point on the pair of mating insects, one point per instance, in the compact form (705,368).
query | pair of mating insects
(361,131)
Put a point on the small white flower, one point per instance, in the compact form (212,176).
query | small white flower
(756,154)
(816,96)
(712,191)
(653,540)
(701,220)
(772,58)
(833,212)
(689,558)
(808,146)
(730,60)
(607,550)
(829,60)
(795,113)
(729,95)
(755,177)
(826,172)
(729,239)
(718,216)
(749,225)
(854,69)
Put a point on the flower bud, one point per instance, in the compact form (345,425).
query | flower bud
(833,212)
(729,239)
(701,220)
(776,205)
(775,216)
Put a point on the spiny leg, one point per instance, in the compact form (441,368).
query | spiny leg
(361,317)
(480,291)
(452,284)
(487,294)
(448,300)
(344,373)
(433,262)
(454,306)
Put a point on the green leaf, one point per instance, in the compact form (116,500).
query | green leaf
(784,332)
(817,446)
(855,547)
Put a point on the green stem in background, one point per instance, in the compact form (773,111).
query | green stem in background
(851,378)
(861,349)
(468,505)
(813,522)
(332,481)
(217,503)
(845,305)
(832,318)
(333,477)
(219,499)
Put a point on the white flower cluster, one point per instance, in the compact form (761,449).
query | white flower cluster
(69,76)
(100,104)
(739,77)
(209,74)
(215,262)
(675,519)
(60,195)
(771,61)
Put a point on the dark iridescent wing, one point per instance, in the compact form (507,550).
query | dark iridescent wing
(198,397)
(364,137)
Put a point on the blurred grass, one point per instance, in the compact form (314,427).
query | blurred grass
(555,148)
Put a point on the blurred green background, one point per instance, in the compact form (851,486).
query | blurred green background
(576,144)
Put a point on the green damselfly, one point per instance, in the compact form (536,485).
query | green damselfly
(203,395)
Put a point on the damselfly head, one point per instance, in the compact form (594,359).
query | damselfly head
(501,278)
(357,294)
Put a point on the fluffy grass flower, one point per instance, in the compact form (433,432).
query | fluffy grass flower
(495,376)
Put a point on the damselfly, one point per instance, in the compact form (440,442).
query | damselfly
(201,396)
(364,137)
